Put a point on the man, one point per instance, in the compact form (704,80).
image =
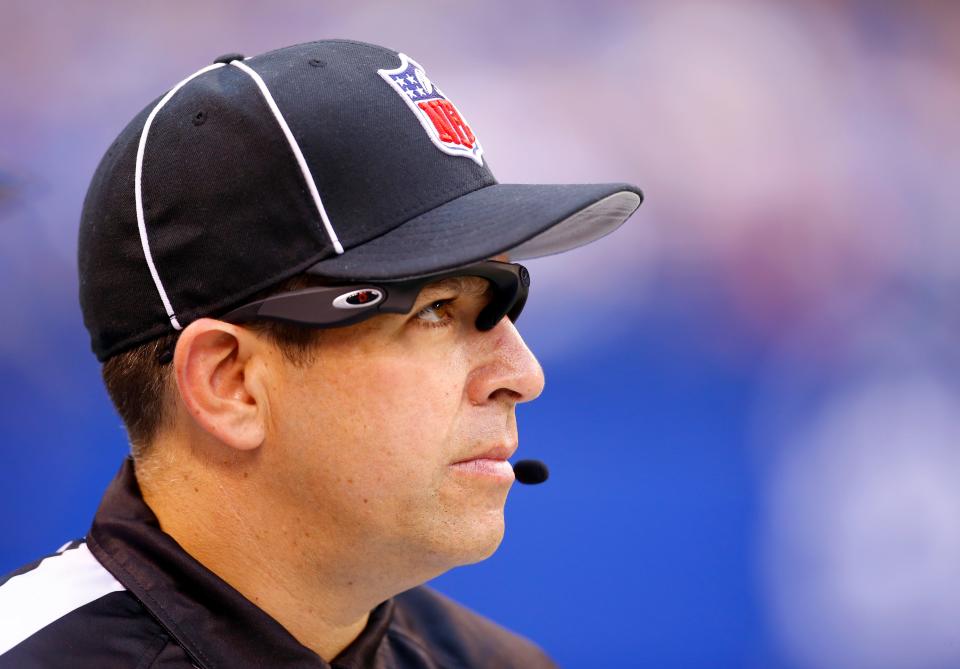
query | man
(294,269)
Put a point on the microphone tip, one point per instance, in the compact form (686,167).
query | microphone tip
(530,472)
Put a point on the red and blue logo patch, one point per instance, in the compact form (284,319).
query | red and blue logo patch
(444,124)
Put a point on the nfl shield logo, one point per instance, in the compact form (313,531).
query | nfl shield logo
(444,124)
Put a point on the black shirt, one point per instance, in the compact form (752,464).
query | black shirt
(129,596)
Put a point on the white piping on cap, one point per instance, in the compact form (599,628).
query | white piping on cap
(138,174)
(304,168)
(138,191)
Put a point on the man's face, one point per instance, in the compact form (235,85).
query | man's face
(366,440)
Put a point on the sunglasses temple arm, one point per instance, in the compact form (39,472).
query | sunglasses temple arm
(242,314)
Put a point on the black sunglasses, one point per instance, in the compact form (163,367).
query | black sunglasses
(346,304)
(337,306)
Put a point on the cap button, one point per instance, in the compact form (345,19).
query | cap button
(227,57)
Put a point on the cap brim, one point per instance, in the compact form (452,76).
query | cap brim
(523,220)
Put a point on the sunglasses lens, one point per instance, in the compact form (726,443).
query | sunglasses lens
(508,300)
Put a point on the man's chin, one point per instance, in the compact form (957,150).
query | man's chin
(483,541)
(483,555)
(461,538)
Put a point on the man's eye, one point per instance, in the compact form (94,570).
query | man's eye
(435,312)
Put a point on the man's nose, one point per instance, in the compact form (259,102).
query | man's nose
(507,368)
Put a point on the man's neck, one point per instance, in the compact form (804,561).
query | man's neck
(323,598)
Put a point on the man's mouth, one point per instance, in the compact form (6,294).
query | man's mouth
(491,463)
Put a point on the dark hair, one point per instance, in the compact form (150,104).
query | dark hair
(141,387)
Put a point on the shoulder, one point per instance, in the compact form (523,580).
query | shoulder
(66,605)
(450,631)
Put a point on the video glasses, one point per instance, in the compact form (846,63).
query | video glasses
(341,305)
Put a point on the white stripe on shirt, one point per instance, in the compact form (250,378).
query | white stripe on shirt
(58,585)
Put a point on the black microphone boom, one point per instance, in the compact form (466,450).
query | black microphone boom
(530,472)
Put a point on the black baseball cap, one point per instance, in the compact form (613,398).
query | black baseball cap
(335,158)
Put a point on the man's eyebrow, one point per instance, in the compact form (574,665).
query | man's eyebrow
(471,285)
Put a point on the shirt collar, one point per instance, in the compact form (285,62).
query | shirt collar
(216,625)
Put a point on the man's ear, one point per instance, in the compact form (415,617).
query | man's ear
(220,377)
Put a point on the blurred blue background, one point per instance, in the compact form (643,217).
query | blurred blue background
(752,408)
